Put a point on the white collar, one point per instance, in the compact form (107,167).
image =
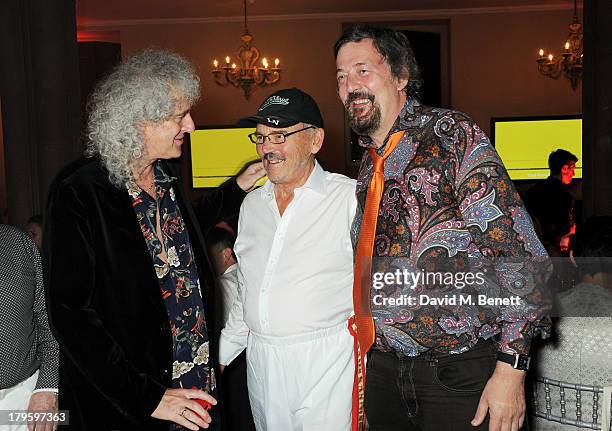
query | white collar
(316,182)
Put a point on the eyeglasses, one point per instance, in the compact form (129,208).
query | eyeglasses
(275,138)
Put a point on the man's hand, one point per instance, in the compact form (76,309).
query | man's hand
(43,402)
(247,179)
(504,398)
(178,406)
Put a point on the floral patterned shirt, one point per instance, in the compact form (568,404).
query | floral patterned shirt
(449,207)
(178,281)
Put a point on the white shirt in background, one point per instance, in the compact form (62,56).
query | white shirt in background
(228,282)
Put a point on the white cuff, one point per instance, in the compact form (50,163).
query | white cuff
(230,348)
(54,390)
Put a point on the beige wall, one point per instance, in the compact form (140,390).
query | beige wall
(493,68)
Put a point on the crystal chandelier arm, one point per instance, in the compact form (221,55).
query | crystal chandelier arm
(549,67)
(259,76)
(232,75)
(272,76)
(217,74)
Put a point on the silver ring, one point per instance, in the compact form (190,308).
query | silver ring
(183,412)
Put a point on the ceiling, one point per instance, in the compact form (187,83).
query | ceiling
(99,12)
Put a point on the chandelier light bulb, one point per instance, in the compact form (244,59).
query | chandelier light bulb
(227,59)
(264,61)
(276,62)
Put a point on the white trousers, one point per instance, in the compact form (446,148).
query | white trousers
(302,382)
(17,398)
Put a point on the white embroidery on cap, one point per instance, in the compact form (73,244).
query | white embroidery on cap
(272,120)
(274,100)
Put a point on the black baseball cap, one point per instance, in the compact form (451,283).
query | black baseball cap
(285,108)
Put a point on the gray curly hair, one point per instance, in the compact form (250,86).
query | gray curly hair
(143,88)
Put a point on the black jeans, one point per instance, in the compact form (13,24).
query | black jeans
(431,392)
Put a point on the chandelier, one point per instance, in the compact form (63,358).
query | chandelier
(570,62)
(246,75)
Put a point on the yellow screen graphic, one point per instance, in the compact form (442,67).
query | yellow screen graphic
(524,146)
(218,154)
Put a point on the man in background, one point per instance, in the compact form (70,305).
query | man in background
(34,228)
(220,242)
(551,203)
(28,352)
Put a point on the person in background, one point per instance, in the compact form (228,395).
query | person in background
(551,203)
(295,274)
(34,228)
(126,266)
(29,354)
(433,196)
(220,242)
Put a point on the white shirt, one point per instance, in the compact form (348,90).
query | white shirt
(296,270)
(228,284)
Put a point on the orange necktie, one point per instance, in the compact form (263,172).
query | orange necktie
(363,325)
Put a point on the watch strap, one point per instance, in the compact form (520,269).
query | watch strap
(517,360)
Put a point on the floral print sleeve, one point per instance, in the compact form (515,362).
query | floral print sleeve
(501,231)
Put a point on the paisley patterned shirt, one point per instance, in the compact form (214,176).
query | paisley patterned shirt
(449,209)
(178,281)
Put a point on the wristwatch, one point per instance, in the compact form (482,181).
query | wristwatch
(517,360)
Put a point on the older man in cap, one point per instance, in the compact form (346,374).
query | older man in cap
(295,275)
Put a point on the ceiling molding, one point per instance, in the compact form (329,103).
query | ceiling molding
(344,16)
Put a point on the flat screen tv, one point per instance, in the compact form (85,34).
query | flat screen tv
(218,153)
(524,143)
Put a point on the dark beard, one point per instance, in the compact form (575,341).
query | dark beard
(363,126)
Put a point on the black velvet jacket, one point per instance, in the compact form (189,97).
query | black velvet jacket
(105,306)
